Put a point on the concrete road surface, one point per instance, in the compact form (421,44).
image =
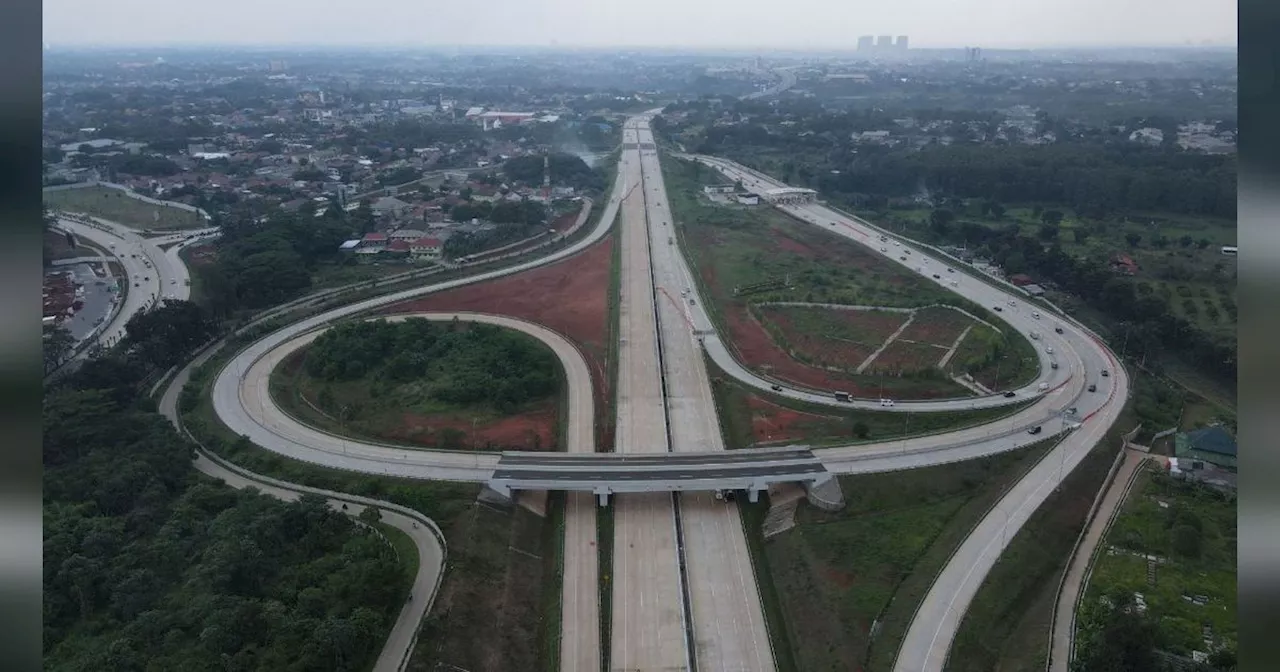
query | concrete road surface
(729,631)
(928,640)
(648,628)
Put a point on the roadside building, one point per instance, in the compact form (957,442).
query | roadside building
(426,248)
(1211,445)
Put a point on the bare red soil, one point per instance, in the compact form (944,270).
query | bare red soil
(532,430)
(906,357)
(569,297)
(936,326)
(771,423)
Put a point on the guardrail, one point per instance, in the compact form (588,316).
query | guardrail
(951,556)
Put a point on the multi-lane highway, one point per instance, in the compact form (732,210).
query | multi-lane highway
(656,313)
(729,631)
(1087,416)
(648,620)
(151,274)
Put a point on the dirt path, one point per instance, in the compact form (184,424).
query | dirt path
(942,364)
(887,342)
(1064,620)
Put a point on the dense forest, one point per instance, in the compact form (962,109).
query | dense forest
(451,363)
(148,566)
(1095,180)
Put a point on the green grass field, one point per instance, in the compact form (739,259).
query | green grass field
(847,583)
(117,206)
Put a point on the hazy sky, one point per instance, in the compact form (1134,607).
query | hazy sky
(681,23)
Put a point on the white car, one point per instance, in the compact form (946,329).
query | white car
(1049,349)
(886,402)
(1012,304)
(883,249)
(1035,314)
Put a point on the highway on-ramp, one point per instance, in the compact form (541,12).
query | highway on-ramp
(427,538)
(1081,357)
(1085,419)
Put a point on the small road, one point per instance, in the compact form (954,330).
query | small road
(426,536)
(1064,619)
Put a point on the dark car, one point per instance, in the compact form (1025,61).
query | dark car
(1034,430)
(1105,373)
(1010,394)
(1057,330)
(1093,388)
(998,309)
(951,270)
(776,388)
(902,258)
(937,277)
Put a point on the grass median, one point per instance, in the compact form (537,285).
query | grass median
(840,589)
(1007,624)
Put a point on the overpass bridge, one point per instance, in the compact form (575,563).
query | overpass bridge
(604,474)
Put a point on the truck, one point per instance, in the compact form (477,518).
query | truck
(841,396)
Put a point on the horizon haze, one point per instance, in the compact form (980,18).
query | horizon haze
(687,24)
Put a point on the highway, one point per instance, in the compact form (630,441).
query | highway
(648,619)
(150,274)
(928,640)
(241,402)
(729,630)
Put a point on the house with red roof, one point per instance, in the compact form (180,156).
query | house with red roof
(426,248)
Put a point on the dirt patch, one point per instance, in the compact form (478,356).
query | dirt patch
(532,430)
(771,423)
(569,297)
(936,326)
(902,357)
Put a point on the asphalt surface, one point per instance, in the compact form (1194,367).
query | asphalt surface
(427,538)
(145,285)
(647,621)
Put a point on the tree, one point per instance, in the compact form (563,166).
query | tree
(167,334)
(1080,234)
(1133,239)
(940,221)
(371,515)
(1048,232)
(1053,217)
(861,430)
(57,346)
(1186,241)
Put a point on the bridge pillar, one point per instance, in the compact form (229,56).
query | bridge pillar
(824,492)
(602,494)
(753,495)
(496,493)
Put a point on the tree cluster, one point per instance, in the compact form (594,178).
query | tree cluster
(1147,318)
(147,566)
(565,169)
(261,264)
(451,363)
